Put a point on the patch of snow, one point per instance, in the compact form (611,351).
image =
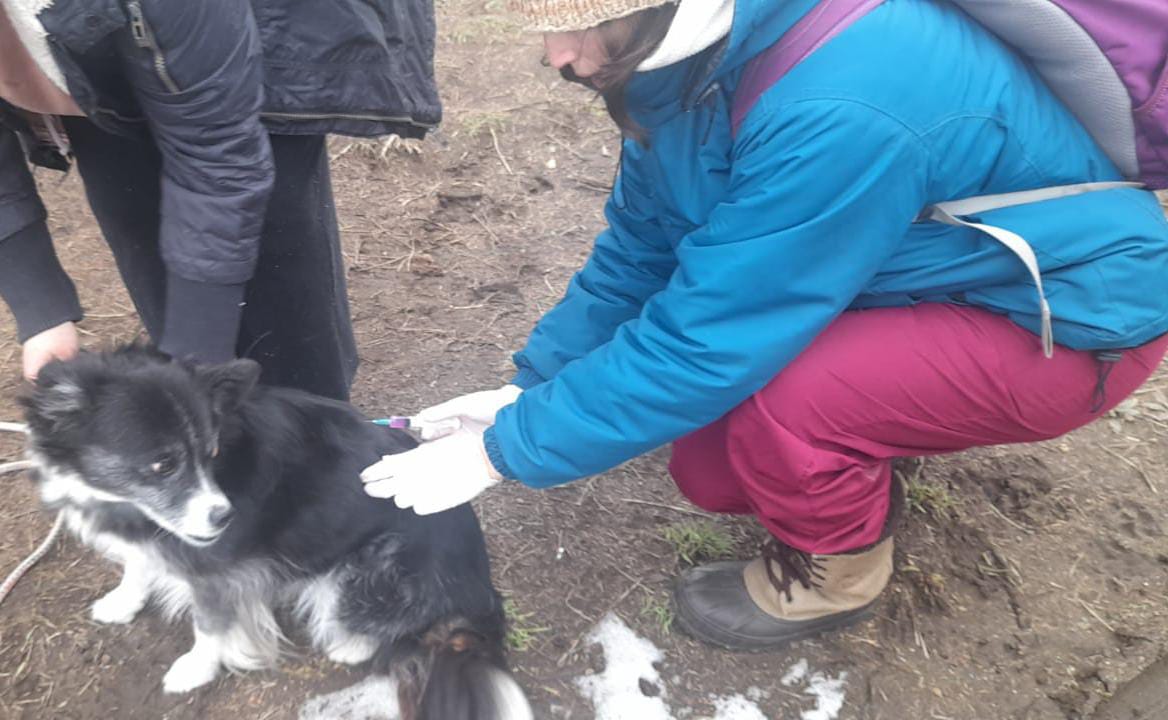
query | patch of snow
(628,659)
(796,674)
(616,693)
(828,692)
(374,698)
(829,696)
(736,707)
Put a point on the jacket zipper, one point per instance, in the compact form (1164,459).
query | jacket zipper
(118,116)
(709,101)
(343,116)
(144,37)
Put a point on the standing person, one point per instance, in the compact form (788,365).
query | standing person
(199,132)
(763,298)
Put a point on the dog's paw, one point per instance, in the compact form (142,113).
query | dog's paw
(353,651)
(190,671)
(118,607)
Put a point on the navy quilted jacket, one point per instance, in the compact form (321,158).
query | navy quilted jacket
(207,81)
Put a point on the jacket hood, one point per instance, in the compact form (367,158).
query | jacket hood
(757,25)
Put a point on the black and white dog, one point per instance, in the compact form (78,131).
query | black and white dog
(235,500)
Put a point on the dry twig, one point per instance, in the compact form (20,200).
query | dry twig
(1095,615)
(499,152)
(663,506)
(1132,464)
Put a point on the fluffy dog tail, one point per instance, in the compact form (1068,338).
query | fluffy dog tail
(458,674)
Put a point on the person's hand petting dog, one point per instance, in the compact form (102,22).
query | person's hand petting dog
(434,476)
(56,343)
(451,467)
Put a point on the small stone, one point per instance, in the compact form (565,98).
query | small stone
(648,689)
(1110,678)
(596,659)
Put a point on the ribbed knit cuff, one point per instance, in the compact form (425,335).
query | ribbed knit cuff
(495,455)
(33,283)
(202,320)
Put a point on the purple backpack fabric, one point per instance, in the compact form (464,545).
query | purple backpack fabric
(1106,59)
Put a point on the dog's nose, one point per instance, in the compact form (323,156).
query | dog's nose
(220,515)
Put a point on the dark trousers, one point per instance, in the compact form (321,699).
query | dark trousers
(296,321)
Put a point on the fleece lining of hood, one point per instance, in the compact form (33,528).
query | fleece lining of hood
(697,25)
(23,14)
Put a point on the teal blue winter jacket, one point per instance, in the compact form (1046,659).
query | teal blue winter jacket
(724,256)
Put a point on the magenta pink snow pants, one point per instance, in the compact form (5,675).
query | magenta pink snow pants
(811,453)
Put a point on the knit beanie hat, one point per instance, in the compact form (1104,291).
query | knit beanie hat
(569,15)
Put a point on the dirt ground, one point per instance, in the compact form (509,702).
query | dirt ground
(1032,581)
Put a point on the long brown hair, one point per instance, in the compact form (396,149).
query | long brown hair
(627,45)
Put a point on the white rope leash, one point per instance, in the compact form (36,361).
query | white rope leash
(26,565)
(47,544)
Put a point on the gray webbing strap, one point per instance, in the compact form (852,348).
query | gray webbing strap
(986,203)
(954,212)
(1025,253)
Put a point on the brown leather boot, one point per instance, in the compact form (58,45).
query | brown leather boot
(783,596)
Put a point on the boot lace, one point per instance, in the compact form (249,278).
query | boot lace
(794,566)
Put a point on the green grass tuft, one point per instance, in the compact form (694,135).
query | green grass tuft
(698,541)
(930,498)
(482,122)
(521,633)
(660,611)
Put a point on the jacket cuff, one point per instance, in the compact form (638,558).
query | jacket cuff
(202,319)
(526,378)
(495,455)
(33,283)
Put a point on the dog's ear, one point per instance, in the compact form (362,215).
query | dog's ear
(229,383)
(56,398)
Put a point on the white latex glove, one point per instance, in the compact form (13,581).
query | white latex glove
(474,413)
(434,476)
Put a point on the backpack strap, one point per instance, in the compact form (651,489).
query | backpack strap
(827,20)
(1017,245)
(986,203)
(822,23)
(957,212)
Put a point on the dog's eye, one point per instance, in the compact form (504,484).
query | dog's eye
(163,466)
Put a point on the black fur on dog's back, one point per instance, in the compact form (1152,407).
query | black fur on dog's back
(289,463)
(444,639)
